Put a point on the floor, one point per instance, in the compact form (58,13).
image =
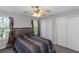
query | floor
(59,49)
(8,50)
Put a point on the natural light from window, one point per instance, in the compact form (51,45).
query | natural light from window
(4,27)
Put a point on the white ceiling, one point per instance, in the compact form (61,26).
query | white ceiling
(26,10)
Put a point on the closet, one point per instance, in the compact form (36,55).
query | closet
(67,30)
(61,31)
(73,32)
(46,29)
(43,30)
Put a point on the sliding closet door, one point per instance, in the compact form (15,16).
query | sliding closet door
(49,29)
(46,29)
(43,29)
(73,33)
(61,31)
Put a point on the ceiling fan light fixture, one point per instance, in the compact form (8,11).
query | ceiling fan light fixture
(37,15)
(38,12)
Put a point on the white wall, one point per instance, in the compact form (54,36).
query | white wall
(21,21)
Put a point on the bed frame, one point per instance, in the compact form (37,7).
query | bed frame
(21,31)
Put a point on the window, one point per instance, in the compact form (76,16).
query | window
(4,27)
(36,27)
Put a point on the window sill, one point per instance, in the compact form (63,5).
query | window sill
(2,38)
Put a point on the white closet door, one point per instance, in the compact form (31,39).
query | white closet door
(73,33)
(43,31)
(46,29)
(49,29)
(61,31)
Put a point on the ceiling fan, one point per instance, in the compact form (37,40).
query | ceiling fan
(38,12)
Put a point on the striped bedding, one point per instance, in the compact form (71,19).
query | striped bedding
(35,44)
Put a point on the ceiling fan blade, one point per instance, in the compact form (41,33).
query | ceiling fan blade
(35,9)
(46,10)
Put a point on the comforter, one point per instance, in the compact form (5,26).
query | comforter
(23,44)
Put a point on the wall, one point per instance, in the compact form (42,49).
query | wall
(21,21)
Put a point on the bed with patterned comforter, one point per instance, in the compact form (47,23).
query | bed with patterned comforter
(24,43)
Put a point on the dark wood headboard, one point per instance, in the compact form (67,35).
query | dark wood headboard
(21,31)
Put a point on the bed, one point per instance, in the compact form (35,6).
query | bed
(26,43)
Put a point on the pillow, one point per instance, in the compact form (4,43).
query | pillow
(25,36)
(28,35)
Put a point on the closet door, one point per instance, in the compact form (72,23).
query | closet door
(49,29)
(46,29)
(43,29)
(73,33)
(61,31)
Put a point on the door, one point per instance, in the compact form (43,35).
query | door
(49,29)
(61,31)
(43,29)
(73,33)
(46,29)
